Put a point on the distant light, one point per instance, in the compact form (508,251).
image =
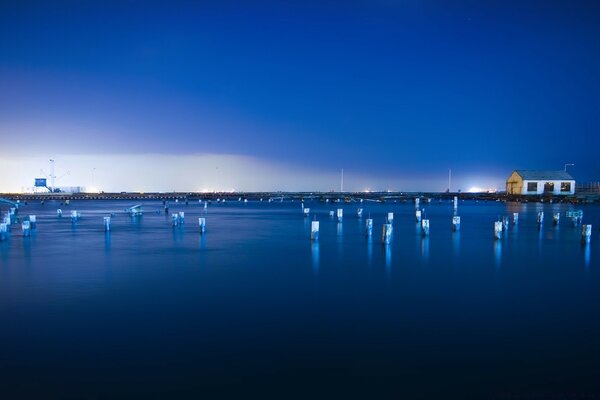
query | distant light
(476,189)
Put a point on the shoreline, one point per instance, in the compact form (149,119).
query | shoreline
(382,197)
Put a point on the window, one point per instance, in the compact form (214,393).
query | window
(532,186)
(565,186)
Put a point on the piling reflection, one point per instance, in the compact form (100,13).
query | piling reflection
(498,252)
(586,253)
(425,248)
(387,249)
(456,243)
(107,242)
(370,250)
(314,250)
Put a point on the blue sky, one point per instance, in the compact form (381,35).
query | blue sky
(393,92)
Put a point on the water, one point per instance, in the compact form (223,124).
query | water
(253,307)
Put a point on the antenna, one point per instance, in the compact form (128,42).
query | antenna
(449,179)
(52,176)
(342,182)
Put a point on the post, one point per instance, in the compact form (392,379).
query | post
(540,218)
(586,233)
(181,217)
(314,230)
(418,215)
(456,223)
(390,218)
(175,218)
(386,233)
(504,223)
(306,211)
(106,224)
(59,213)
(32,221)
(425,227)
(74,216)
(7,222)
(205,205)
(498,230)
(3,231)
(369,227)
(417,203)
(556,218)
(359,212)
(202,225)
(515,218)
(340,214)
(25,226)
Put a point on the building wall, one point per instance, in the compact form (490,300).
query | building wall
(541,183)
(514,184)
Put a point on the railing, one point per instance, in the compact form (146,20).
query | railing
(590,187)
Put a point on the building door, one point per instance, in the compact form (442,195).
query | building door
(549,187)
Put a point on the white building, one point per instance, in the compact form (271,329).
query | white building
(540,182)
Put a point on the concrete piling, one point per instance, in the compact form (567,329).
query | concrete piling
(425,227)
(106,224)
(386,233)
(504,223)
(175,219)
(26,227)
(498,230)
(306,211)
(314,230)
(33,221)
(515,218)
(331,214)
(74,216)
(418,215)
(181,217)
(390,218)
(359,213)
(586,233)
(59,213)
(455,202)
(417,203)
(540,218)
(455,223)
(340,214)
(556,218)
(3,231)
(369,227)
(202,225)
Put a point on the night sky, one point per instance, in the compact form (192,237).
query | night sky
(282,95)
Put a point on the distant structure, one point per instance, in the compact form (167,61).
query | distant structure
(529,182)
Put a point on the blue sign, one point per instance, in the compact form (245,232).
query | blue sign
(40,182)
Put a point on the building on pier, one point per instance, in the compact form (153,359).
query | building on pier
(531,182)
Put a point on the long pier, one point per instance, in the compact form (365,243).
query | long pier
(381,197)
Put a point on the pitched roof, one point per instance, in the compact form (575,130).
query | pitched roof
(541,175)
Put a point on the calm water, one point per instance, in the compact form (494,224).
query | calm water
(254,307)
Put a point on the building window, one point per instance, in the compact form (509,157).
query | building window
(565,186)
(532,186)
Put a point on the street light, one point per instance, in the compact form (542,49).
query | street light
(568,165)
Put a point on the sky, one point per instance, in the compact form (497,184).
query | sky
(194,95)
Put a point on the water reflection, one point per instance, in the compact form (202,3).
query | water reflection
(202,242)
(586,253)
(340,230)
(498,252)
(456,242)
(425,247)
(370,250)
(387,249)
(107,242)
(314,250)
